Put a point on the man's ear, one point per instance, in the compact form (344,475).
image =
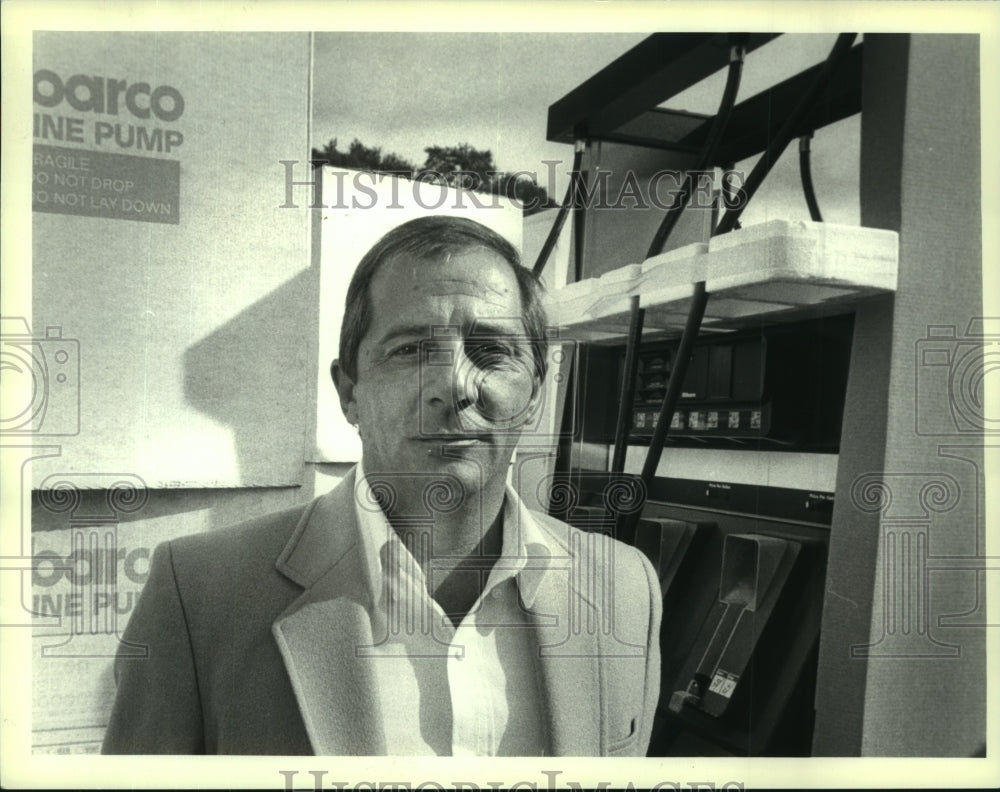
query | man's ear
(345,390)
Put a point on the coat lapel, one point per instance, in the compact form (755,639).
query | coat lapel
(569,657)
(323,633)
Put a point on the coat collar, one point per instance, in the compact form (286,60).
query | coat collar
(323,635)
(325,534)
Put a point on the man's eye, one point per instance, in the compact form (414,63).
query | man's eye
(404,350)
(490,353)
(487,348)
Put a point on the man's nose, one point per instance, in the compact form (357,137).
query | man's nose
(450,378)
(466,381)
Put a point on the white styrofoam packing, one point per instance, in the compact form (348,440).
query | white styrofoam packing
(773,266)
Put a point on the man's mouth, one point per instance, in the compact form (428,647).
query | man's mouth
(455,439)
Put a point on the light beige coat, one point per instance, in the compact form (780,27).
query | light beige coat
(253,639)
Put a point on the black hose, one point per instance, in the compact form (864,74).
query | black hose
(627,522)
(807,180)
(719,123)
(628,386)
(677,373)
(568,202)
(579,184)
(784,136)
(699,299)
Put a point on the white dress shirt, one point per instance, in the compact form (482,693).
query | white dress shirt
(466,691)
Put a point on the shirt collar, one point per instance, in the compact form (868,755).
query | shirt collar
(524,553)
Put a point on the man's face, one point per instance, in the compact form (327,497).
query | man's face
(445,373)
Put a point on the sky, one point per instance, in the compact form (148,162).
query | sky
(406,91)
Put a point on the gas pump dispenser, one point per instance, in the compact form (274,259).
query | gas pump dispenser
(726,351)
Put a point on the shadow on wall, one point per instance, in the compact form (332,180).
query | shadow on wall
(255,375)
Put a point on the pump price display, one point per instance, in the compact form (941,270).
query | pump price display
(98,184)
(723,683)
(748,423)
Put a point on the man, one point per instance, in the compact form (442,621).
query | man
(418,608)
